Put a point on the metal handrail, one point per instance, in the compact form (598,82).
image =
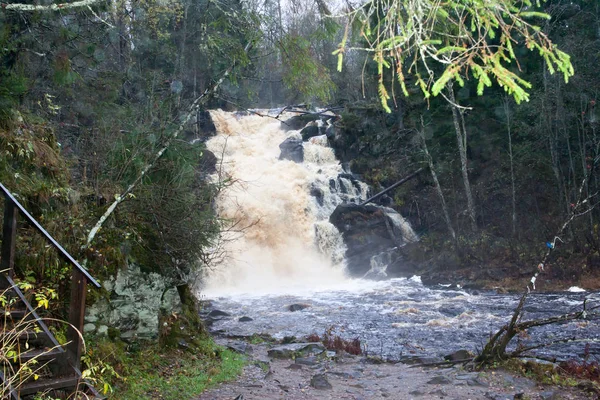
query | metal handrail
(52,241)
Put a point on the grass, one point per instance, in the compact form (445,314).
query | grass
(151,373)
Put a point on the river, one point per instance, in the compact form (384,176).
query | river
(281,250)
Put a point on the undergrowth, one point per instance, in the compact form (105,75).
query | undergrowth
(147,372)
(331,341)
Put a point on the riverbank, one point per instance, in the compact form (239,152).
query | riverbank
(343,376)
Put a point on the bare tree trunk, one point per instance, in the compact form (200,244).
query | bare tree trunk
(438,188)
(461,137)
(512,171)
(192,112)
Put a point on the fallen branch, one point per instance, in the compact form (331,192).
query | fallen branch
(50,7)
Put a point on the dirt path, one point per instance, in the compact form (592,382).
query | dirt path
(355,377)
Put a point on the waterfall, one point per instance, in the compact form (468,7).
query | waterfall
(277,210)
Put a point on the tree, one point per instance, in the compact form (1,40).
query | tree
(436,43)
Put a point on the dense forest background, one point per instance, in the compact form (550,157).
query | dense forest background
(88,95)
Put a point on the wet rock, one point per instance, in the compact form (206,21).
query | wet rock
(294,350)
(459,355)
(368,231)
(318,194)
(310,361)
(292,149)
(439,380)
(451,311)
(310,130)
(208,162)
(218,314)
(289,339)
(298,121)
(240,347)
(298,306)
(346,375)
(414,360)
(439,392)
(245,319)
(319,381)
(549,395)
(495,396)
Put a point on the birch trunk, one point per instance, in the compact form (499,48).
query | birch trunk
(461,137)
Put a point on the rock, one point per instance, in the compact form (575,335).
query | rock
(245,319)
(549,395)
(413,360)
(319,381)
(459,355)
(102,330)
(439,380)
(298,121)
(416,393)
(208,162)
(372,231)
(298,306)
(294,366)
(240,347)
(346,375)
(439,392)
(294,350)
(311,130)
(495,396)
(292,149)
(310,361)
(452,311)
(318,194)
(288,339)
(218,314)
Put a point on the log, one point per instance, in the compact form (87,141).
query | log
(395,185)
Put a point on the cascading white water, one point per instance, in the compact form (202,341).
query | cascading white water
(276,222)
(280,237)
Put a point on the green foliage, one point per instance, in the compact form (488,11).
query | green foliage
(462,38)
(302,72)
(174,374)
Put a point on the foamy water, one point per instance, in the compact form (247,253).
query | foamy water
(274,218)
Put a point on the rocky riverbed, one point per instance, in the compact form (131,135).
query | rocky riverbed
(302,371)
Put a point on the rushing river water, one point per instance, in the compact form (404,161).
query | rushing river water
(402,318)
(284,251)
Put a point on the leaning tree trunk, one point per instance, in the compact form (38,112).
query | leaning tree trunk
(461,137)
(436,182)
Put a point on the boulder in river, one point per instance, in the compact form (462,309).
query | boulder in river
(292,149)
(299,121)
(298,306)
(311,130)
(372,236)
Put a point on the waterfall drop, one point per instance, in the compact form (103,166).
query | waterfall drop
(277,210)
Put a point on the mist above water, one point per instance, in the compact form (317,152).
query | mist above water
(280,238)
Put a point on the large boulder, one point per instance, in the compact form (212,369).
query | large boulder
(292,149)
(299,121)
(373,241)
(311,130)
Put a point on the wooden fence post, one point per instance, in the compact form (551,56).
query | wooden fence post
(76,315)
(9,237)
